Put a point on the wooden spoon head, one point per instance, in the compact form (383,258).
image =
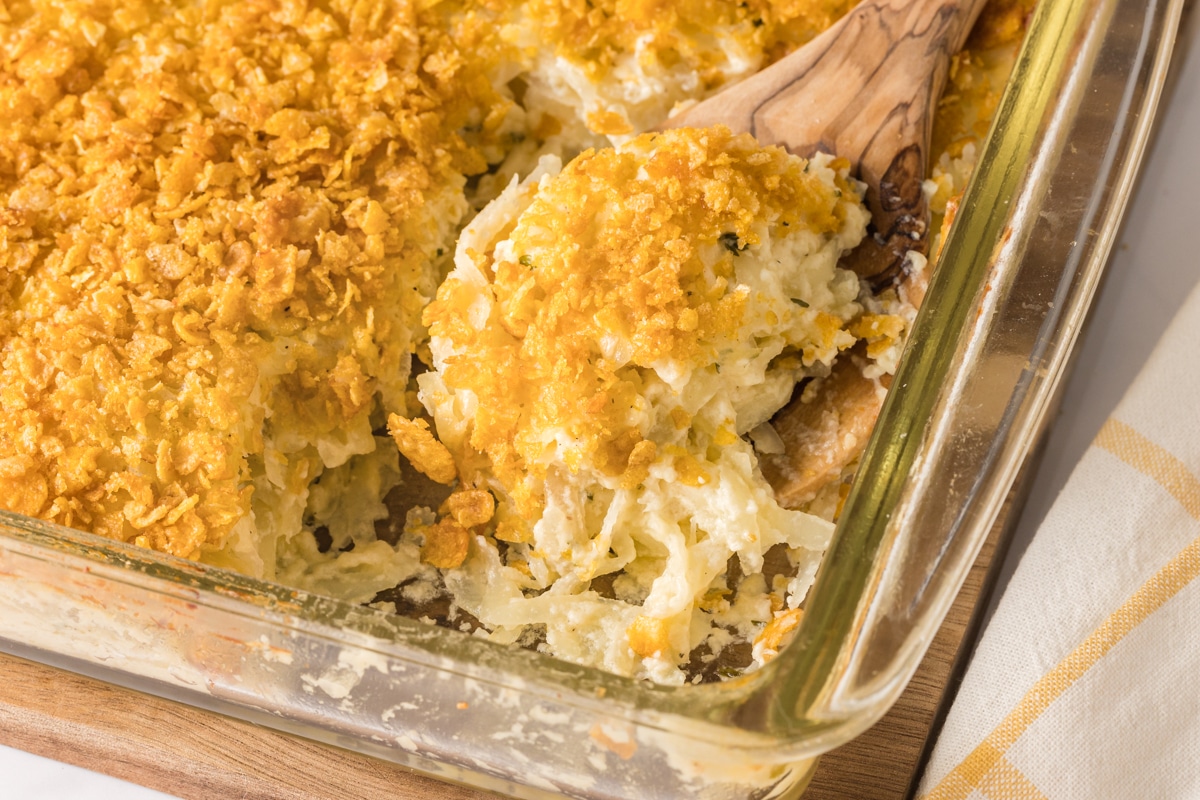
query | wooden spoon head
(864,90)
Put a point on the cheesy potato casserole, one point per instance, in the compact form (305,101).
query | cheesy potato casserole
(261,258)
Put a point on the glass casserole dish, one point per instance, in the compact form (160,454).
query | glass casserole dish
(981,365)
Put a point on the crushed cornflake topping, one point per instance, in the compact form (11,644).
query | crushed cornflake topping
(600,32)
(624,265)
(187,186)
(221,222)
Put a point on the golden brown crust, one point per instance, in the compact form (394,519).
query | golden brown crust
(186,185)
(596,34)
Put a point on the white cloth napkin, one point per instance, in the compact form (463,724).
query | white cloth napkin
(1086,682)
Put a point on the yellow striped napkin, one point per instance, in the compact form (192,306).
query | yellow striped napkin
(1086,682)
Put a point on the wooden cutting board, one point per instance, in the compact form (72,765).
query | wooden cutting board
(199,755)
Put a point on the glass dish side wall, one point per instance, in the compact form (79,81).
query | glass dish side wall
(455,707)
(518,723)
(1015,281)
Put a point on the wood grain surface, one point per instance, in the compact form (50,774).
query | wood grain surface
(185,751)
(199,755)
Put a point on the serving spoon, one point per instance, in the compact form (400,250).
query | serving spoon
(866,90)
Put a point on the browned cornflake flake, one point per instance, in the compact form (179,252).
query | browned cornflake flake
(419,446)
(471,507)
(215,214)
(446,544)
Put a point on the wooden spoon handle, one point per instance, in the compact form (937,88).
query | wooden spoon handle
(865,90)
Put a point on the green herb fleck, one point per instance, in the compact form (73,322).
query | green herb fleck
(526,260)
(800,302)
